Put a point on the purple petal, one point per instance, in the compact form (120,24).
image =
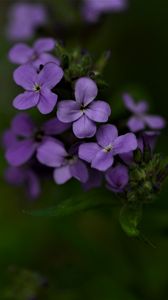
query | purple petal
(84,128)
(106,135)
(88,151)
(44,45)
(22,125)
(98,111)
(62,174)
(117,178)
(45,58)
(26,100)
(68,111)
(51,153)
(127,158)
(50,75)
(79,171)
(136,124)
(54,126)
(20,153)
(94,180)
(47,101)
(155,122)
(32,185)
(85,90)
(124,143)
(14,175)
(134,107)
(26,76)
(20,54)
(8,139)
(102,161)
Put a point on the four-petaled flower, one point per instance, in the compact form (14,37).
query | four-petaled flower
(23,138)
(67,165)
(38,87)
(101,154)
(37,55)
(117,178)
(84,112)
(24,19)
(141,118)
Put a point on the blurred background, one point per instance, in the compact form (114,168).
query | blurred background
(87,256)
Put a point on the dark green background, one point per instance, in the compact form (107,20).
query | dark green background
(87,256)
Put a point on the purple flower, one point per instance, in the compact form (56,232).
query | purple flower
(24,176)
(92,9)
(37,55)
(38,87)
(24,19)
(101,154)
(67,164)
(141,118)
(23,138)
(84,111)
(117,178)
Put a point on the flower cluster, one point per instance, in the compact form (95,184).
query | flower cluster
(78,141)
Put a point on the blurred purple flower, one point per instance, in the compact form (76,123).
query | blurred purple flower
(94,181)
(101,154)
(23,139)
(84,111)
(24,176)
(37,55)
(92,9)
(24,19)
(141,118)
(67,164)
(38,87)
(117,178)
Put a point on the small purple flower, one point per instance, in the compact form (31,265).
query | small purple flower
(24,19)
(84,112)
(117,178)
(19,176)
(37,55)
(141,119)
(92,9)
(23,138)
(38,87)
(101,154)
(67,164)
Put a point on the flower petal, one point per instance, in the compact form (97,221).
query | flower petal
(137,108)
(8,139)
(85,90)
(84,128)
(54,126)
(22,125)
(106,135)
(102,161)
(25,76)
(50,75)
(155,122)
(47,101)
(20,54)
(88,151)
(124,143)
(98,111)
(26,100)
(44,45)
(117,178)
(62,174)
(20,153)
(136,124)
(79,171)
(45,58)
(32,185)
(51,153)
(68,111)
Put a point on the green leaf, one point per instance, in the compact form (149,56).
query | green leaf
(130,217)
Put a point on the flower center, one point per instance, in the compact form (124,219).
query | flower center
(71,159)
(39,136)
(82,108)
(37,88)
(108,148)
